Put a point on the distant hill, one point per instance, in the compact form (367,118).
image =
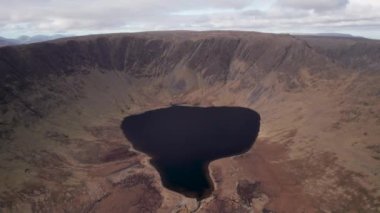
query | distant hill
(28,39)
(6,41)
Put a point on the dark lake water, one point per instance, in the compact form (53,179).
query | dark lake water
(182,141)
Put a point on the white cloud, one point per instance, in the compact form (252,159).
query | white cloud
(316,5)
(30,17)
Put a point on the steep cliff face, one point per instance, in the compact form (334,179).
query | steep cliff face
(62,103)
(155,54)
(355,53)
(214,58)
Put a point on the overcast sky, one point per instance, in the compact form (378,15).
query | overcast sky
(78,17)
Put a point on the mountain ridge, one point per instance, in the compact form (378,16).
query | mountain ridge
(63,102)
